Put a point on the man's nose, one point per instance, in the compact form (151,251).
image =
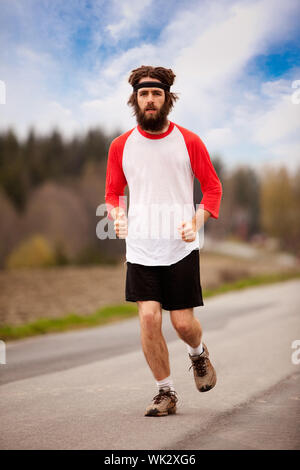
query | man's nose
(150,104)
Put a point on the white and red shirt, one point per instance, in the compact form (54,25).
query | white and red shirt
(159,170)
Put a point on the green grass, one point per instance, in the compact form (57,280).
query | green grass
(113,313)
(251,282)
(72,321)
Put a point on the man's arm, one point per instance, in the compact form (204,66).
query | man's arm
(204,172)
(115,181)
(188,230)
(200,217)
(211,187)
(210,184)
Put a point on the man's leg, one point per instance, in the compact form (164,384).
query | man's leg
(153,343)
(187,326)
(157,356)
(189,330)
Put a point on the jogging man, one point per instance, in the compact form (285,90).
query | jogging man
(158,160)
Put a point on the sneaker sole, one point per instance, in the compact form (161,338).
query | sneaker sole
(155,412)
(206,388)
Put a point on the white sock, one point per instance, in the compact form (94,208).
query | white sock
(165,384)
(195,351)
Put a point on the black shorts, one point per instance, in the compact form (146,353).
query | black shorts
(176,286)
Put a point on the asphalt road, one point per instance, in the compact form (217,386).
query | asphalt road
(88,389)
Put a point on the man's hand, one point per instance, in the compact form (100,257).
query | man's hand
(187,231)
(120,223)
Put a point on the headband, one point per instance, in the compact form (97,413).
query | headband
(151,85)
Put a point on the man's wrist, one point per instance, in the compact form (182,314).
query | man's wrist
(200,218)
(116,211)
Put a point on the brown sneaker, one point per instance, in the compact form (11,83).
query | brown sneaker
(162,404)
(204,373)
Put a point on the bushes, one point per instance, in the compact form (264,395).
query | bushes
(35,251)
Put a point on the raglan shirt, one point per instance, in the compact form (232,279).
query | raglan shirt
(159,170)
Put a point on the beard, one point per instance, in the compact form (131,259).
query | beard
(150,122)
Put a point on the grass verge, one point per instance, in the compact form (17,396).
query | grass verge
(114,313)
(71,321)
(251,282)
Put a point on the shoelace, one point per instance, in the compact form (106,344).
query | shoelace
(200,366)
(165,394)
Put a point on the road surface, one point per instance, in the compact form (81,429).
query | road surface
(88,389)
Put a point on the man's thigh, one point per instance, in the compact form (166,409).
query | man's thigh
(182,316)
(149,306)
(181,284)
(143,283)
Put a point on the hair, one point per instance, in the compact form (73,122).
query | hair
(162,74)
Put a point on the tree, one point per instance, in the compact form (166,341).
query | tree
(13,177)
(278,206)
(245,202)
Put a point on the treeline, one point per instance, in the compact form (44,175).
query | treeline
(260,205)
(26,165)
(50,189)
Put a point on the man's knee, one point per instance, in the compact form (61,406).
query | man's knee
(183,328)
(183,323)
(150,316)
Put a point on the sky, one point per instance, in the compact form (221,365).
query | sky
(65,65)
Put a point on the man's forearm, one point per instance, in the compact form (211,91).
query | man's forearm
(200,217)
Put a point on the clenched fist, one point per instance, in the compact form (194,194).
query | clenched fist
(187,231)
(121,225)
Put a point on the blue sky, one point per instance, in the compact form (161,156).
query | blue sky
(66,64)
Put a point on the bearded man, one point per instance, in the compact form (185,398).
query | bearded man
(158,160)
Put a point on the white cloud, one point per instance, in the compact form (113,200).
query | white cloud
(129,13)
(118,66)
(29,103)
(274,89)
(219,138)
(287,154)
(54,115)
(280,122)
(277,125)
(29,58)
(113,107)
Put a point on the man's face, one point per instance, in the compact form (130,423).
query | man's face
(151,113)
(150,100)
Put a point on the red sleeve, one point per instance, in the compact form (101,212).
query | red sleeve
(204,171)
(115,178)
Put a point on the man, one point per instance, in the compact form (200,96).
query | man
(158,160)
